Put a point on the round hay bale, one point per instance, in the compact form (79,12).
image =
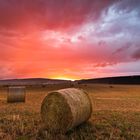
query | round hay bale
(16,94)
(65,109)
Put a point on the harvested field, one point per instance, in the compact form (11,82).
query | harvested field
(116,114)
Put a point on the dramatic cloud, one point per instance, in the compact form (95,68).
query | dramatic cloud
(50,14)
(69,38)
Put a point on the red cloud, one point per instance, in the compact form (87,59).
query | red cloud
(52,14)
(45,38)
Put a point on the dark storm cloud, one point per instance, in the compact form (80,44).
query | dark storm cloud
(128,5)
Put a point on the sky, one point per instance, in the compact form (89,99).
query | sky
(69,39)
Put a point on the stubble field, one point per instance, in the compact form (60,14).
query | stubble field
(116,114)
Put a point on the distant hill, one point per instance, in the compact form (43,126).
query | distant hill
(113,80)
(45,81)
(31,81)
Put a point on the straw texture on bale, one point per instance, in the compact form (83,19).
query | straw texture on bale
(16,94)
(65,109)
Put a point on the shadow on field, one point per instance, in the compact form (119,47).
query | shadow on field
(85,131)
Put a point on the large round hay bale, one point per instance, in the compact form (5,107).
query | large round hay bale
(16,94)
(65,109)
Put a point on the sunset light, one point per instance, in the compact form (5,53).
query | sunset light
(80,39)
(64,78)
(69,69)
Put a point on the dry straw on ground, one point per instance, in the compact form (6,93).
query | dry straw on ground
(65,109)
(16,94)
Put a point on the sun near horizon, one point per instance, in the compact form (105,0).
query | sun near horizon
(69,39)
(64,78)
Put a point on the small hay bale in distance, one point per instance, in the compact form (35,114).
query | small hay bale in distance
(16,94)
(65,109)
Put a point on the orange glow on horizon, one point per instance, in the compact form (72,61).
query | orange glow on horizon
(63,78)
(39,40)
